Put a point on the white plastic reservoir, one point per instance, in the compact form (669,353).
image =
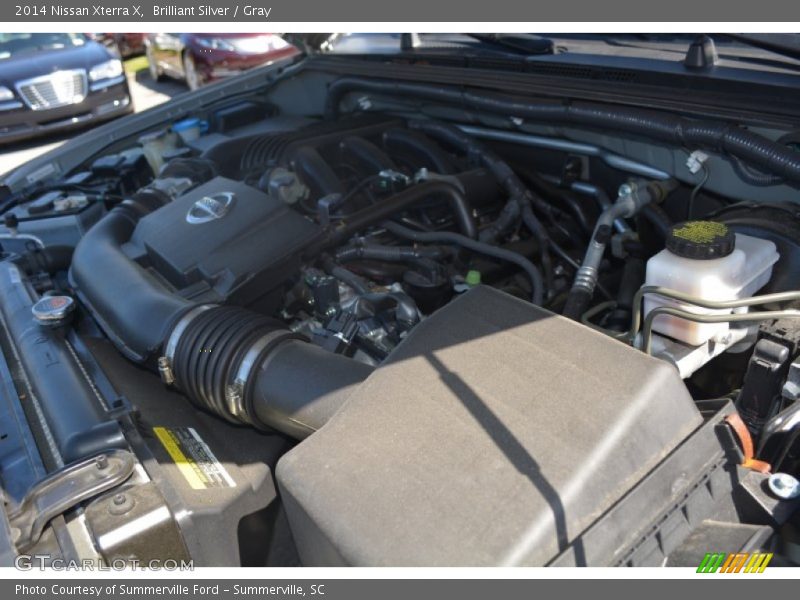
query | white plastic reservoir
(707,260)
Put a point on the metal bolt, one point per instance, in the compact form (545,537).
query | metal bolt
(625,189)
(784,486)
(119,499)
(165,370)
(101,461)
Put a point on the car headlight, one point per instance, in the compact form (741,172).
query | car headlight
(6,94)
(106,70)
(216,44)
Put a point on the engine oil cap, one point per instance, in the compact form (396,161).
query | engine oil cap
(701,240)
(52,310)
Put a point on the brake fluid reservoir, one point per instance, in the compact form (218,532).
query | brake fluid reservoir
(708,260)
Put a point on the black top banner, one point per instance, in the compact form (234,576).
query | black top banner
(342,11)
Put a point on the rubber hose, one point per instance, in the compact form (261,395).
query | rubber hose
(520,198)
(300,386)
(131,306)
(249,369)
(448,237)
(50,259)
(406,311)
(347,277)
(757,150)
(388,253)
(315,172)
(479,153)
(388,207)
(658,218)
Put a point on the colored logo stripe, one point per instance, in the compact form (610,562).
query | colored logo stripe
(711,562)
(740,562)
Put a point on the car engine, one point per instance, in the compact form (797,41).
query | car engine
(406,328)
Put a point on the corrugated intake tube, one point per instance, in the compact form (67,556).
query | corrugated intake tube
(237,364)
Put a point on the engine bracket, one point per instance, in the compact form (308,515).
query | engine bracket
(63,490)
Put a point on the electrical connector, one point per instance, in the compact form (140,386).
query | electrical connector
(696,161)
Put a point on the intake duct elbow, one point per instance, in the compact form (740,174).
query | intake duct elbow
(251,370)
(236,363)
(131,307)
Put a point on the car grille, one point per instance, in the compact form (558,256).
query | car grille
(56,89)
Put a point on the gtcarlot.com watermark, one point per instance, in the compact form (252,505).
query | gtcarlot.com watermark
(32,562)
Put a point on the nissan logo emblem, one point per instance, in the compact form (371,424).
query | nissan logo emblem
(210,208)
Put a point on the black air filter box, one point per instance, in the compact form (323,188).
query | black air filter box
(495,434)
(222,241)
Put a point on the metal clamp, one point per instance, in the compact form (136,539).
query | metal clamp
(65,489)
(234,392)
(165,362)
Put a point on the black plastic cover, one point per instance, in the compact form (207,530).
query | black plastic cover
(240,253)
(495,434)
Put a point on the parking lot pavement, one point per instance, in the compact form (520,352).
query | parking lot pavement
(145,92)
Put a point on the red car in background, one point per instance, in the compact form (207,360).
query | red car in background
(199,58)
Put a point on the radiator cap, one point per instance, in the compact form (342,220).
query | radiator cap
(53,310)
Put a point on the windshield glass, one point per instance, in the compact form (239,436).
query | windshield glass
(12,44)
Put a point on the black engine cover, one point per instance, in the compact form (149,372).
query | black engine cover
(223,241)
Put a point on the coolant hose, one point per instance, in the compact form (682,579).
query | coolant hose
(368,305)
(343,275)
(633,275)
(520,198)
(409,254)
(406,199)
(505,176)
(49,259)
(724,138)
(448,237)
(389,207)
(658,218)
(315,172)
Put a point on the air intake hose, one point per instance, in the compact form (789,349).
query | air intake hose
(134,310)
(240,365)
(252,370)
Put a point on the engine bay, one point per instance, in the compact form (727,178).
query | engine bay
(404,329)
